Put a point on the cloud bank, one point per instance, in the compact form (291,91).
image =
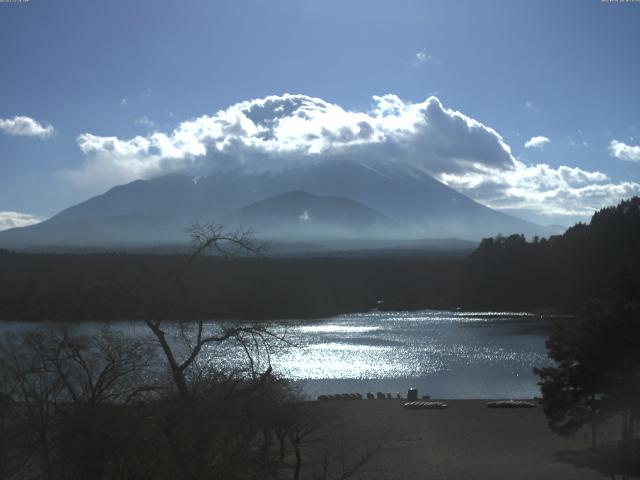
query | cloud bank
(291,131)
(25,126)
(622,151)
(15,219)
(543,190)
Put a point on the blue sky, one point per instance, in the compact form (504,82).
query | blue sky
(566,72)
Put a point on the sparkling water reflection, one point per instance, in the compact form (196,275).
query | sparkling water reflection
(445,354)
(442,353)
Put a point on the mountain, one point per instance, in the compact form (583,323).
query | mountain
(302,215)
(408,202)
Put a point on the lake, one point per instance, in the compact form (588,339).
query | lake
(444,354)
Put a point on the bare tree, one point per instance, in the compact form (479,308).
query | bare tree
(305,421)
(221,413)
(71,393)
(209,238)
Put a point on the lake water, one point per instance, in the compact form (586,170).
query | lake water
(442,353)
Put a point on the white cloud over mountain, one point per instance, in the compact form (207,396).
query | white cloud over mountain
(280,132)
(15,219)
(288,131)
(622,151)
(25,126)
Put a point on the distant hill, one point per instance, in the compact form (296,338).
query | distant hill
(386,199)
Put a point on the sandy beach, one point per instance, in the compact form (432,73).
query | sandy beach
(465,441)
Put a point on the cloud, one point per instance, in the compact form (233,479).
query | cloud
(145,122)
(536,142)
(112,161)
(622,151)
(281,132)
(421,57)
(543,190)
(289,131)
(15,219)
(578,144)
(25,126)
(304,216)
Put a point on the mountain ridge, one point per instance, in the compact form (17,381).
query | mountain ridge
(160,209)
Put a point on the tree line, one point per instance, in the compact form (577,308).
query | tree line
(594,381)
(596,260)
(77,287)
(589,261)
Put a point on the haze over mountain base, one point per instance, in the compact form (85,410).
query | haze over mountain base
(384,202)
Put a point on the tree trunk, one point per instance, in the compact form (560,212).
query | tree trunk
(296,473)
(176,371)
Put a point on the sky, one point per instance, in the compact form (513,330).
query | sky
(530,107)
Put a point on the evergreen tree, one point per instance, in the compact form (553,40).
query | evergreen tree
(597,372)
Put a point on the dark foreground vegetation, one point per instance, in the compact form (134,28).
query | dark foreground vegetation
(594,381)
(594,384)
(109,406)
(598,260)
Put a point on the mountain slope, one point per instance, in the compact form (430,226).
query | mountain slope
(302,215)
(158,210)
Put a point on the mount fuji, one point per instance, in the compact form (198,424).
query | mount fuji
(329,200)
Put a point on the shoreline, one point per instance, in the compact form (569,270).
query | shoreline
(543,317)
